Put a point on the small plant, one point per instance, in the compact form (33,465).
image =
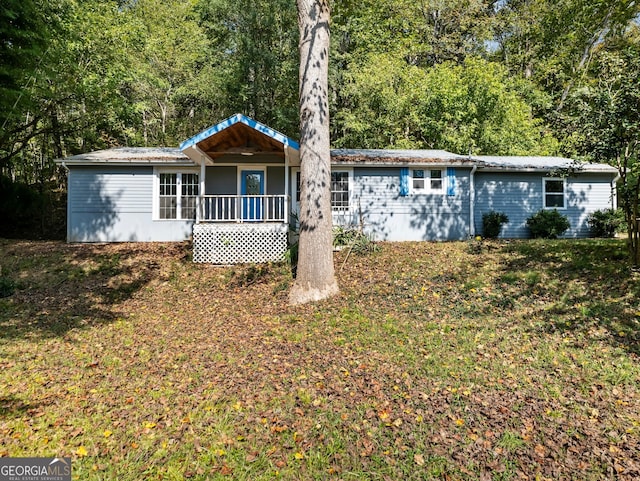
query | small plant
(474,245)
(7,286)
(547,224)
(605,222)
(492,222)
(354,239)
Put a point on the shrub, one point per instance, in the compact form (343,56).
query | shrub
(356,240)
(547,224)
(492,223)
(605,222)
(7,286)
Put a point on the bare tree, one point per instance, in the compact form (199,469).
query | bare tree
(315,278)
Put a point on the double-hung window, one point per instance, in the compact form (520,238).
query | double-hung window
(340,191)
(554,193)
(424,181)
(177,195)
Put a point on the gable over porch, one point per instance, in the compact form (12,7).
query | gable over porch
(243,203)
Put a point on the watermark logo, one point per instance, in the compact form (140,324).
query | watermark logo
(35,469)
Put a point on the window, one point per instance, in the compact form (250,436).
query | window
(168,184)
(553,190)
(418,179)
(340,191)
(424,181)
(435,179)
(178,195)
(190,187)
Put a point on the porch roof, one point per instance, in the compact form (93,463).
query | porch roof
(239,135)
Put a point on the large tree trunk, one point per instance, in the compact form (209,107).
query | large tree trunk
(315,278)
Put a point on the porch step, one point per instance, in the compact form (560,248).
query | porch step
(239,243)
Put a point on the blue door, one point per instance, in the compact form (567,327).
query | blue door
(252,188)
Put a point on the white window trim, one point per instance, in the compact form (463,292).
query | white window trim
(252,168)
(349,172)
(427,181)
(544,192)
(156,191)
(294,191)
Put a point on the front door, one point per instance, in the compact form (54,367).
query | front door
(252,190)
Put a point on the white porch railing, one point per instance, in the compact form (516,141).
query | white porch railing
(242,208)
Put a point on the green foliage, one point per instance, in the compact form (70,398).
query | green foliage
(547,224)
(25,28)
(29,212)
(354,239)
(492,223)
(7,286)
(474,106)
(601,121)
(253,47)
(606,222)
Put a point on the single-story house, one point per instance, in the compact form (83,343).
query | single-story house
(234,189)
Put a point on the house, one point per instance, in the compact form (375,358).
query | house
(234,189)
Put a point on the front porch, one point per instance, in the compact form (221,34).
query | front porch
(242,201)
(236,229)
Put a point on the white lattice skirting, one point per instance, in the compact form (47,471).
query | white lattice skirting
(239,243)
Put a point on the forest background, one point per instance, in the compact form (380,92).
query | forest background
(513,77)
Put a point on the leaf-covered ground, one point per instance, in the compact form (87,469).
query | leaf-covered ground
(479,361)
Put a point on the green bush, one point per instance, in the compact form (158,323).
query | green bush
(605,222)
(356,240)
(492,223)
(547,224)
(7,286)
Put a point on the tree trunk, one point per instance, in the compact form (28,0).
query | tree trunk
(315,278)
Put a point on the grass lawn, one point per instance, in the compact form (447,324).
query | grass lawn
(479,361)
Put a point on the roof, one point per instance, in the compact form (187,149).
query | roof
(396,157)
(131,156)
(171,156)
(533,163)
(238,134)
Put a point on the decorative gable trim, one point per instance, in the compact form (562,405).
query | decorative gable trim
(239,118)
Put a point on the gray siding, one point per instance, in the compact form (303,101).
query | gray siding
(519,195)
(221,180)
(115,205)
(386,215)
(275,181)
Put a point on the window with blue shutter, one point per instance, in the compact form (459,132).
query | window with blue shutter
(451,181)
(404,181)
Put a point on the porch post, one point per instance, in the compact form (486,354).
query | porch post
(200,206)
(286,185)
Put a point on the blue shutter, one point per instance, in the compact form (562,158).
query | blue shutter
(451,181)
(404,181)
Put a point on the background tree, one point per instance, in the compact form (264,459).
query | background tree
(474,107)
(315,278)
(254,59)
(602,123)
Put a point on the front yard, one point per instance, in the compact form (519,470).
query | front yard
(479,361)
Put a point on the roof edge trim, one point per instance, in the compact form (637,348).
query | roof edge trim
(239,118)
